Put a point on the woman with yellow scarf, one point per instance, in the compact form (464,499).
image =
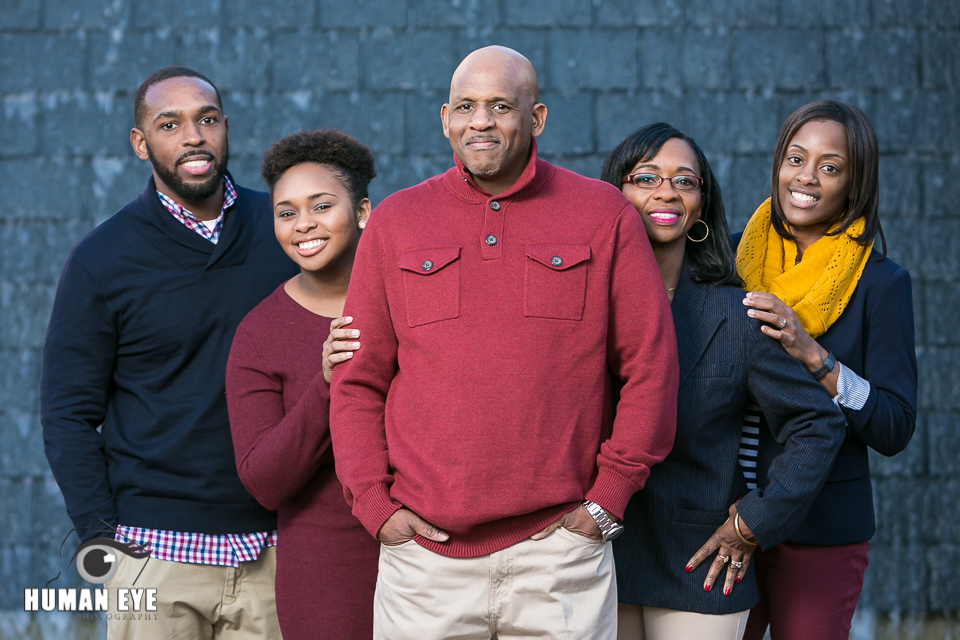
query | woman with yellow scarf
(845,311)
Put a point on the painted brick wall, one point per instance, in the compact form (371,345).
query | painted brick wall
(727,73)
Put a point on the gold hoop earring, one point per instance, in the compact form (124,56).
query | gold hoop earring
(705,235)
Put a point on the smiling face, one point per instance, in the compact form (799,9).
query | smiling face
(315,220)
(813,180)
(667,214)
(492,116)
(184,135)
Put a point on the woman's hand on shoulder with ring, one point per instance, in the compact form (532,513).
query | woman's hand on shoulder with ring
(786,328)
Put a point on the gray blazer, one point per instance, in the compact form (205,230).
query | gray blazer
(724,359)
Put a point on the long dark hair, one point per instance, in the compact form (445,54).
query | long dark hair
(863,195)
(711,260)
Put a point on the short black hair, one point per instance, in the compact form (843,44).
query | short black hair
(863,192)
(713,259)
(139,102)
(350,160)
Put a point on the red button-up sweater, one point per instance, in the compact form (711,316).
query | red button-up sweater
(489,327)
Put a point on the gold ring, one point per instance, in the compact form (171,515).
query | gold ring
(723,558)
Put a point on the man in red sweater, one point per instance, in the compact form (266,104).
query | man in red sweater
(473,431)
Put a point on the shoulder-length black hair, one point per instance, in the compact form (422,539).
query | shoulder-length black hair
(712,260)
(863,195)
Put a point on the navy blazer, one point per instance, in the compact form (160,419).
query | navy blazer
(873,337)
(724,360)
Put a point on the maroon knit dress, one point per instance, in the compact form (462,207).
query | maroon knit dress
(280,419)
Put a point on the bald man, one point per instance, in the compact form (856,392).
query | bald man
(472,429)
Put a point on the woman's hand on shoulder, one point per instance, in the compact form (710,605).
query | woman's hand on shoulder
(731,551)
(339,345)
(786,328)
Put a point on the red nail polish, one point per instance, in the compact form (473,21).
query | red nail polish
(738,579)
(726,591)
(707,587)
(689,568)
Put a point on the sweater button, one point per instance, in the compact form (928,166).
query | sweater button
(495,205)
(556,261)
(427,265)
(491,239)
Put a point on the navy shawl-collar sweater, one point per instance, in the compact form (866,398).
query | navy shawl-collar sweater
(138,340)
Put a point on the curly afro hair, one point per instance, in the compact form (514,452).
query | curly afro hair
(351,161)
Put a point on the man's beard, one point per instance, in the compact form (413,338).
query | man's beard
(486,167)
(198,191)
(491,170)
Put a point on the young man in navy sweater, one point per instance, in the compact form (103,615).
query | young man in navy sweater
(132,391)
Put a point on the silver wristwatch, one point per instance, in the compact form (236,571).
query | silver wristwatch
(608,527)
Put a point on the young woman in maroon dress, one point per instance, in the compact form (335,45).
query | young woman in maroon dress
(278,391)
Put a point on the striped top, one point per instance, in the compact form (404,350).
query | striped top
(749,441)
(852,393)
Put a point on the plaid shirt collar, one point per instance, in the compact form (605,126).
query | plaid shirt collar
(193,223)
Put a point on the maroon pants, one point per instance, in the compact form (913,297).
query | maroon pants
(807,592)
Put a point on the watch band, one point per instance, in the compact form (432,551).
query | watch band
(609,528)
(828,364)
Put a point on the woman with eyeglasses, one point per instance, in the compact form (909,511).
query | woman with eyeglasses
(845,312)
(684,559)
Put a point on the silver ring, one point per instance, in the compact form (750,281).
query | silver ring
(783,323)
(736,565)
(723,558)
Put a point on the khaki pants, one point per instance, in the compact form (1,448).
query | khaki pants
(652,623)
(197,601)
(563,586)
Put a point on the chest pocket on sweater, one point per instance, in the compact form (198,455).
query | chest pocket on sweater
(555,282)
(431,282)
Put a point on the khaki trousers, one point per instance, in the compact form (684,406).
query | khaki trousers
(563,586)
(652,623)
(197,601)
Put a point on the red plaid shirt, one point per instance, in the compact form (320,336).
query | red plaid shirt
(199,548)
(195,224)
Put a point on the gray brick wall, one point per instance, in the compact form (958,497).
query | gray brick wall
(727,73)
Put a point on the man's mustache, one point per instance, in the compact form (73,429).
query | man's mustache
(191,154)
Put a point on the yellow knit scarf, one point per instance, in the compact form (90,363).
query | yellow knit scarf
(819,287)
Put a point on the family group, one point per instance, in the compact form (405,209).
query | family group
(508,402)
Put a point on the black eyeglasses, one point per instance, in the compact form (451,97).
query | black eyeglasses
(652,181)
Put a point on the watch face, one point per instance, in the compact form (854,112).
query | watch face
(613,534)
